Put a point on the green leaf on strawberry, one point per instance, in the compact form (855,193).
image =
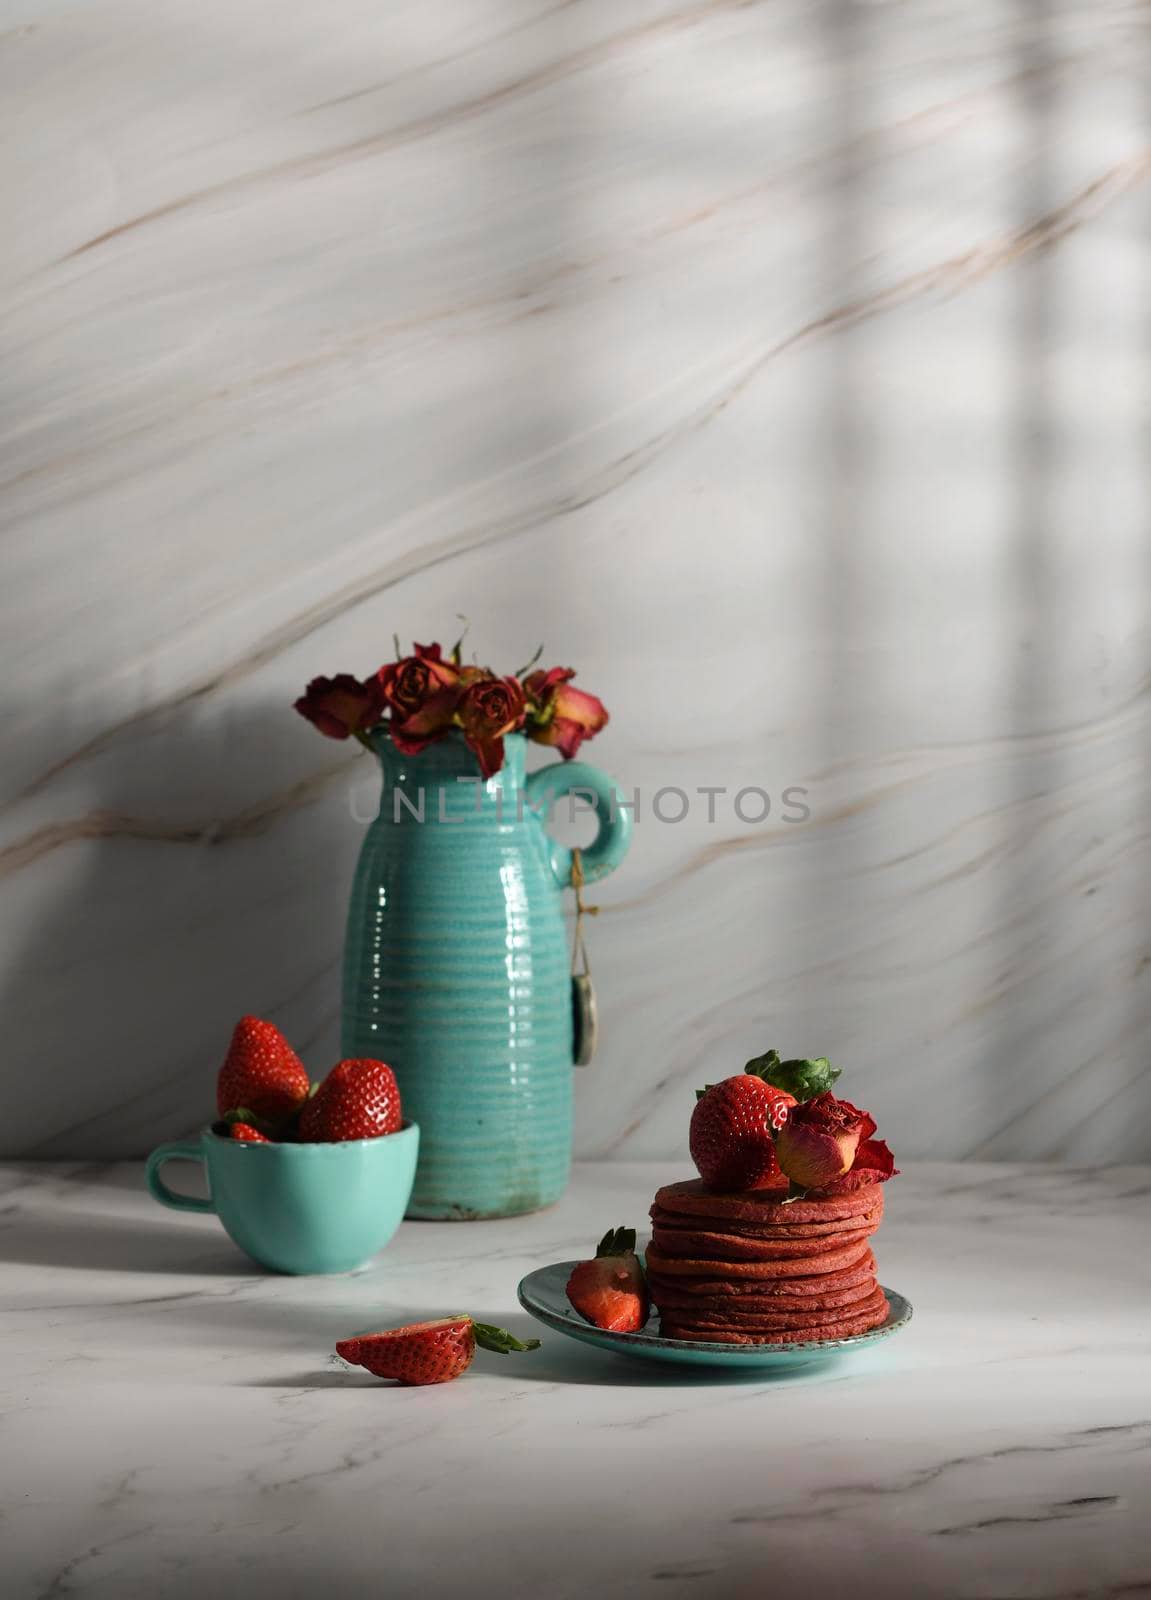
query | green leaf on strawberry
(499,1341)
(617,1242)
(800,1077)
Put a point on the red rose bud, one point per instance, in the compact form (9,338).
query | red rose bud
(560,715)
(874,1163)
(540,687)
(488,708)
(340,706)
(819,1141)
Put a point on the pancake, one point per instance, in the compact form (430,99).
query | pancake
(670,1221)
(793,1267)
(724,1247)
(742,1306)
(842,1329)
(776,1321)
(689,1198)
(664,1288)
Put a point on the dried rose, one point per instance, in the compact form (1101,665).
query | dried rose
(874,1163)
(560,715)
(819,1141)
(406,684)
(421,692)
(340,706)
(489,708)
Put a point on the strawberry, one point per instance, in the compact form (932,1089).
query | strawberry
(244,1125)
(262,1072)
(357,1100)
(245,1132)
(428,1352)
(610,1291)
(731,1133)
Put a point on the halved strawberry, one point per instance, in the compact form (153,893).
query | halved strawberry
(429,1352)
(357,1100)
(731,1133)
(610,1291)
(262,1072)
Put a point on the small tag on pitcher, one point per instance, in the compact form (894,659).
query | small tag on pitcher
(585,1017)
(585,1020)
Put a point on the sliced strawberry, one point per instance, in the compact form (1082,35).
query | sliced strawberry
(261,1072)
(429,1352)
(357,1100)
(731,1134)
(610,1291)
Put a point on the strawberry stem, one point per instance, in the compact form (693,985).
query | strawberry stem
(499,1341)
(242,1114)
(763,1066)
(801,1078)
(616,1242)
(523,671)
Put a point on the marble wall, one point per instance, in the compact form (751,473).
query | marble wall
(783,365)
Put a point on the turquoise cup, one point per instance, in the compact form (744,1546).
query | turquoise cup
(300,1207)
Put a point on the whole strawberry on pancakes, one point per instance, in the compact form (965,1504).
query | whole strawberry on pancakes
(770,1245)
(733,1128)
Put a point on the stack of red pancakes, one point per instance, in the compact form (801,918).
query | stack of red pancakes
(750,1269)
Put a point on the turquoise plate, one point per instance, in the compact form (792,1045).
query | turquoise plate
(543,1295)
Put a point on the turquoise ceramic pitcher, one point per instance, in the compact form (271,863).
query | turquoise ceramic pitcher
(457,970)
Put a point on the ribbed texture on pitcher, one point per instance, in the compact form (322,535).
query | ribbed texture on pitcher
(456,972)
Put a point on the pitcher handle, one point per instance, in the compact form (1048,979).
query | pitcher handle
(611,841)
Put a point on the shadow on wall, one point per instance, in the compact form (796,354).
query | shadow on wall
(199,870)
(199,866)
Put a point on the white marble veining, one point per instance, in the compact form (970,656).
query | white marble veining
(176,1424)
(782,364)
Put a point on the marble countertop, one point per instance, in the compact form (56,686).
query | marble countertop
(175,1423)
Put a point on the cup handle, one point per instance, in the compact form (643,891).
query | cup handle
(160,1191)
(611,842)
